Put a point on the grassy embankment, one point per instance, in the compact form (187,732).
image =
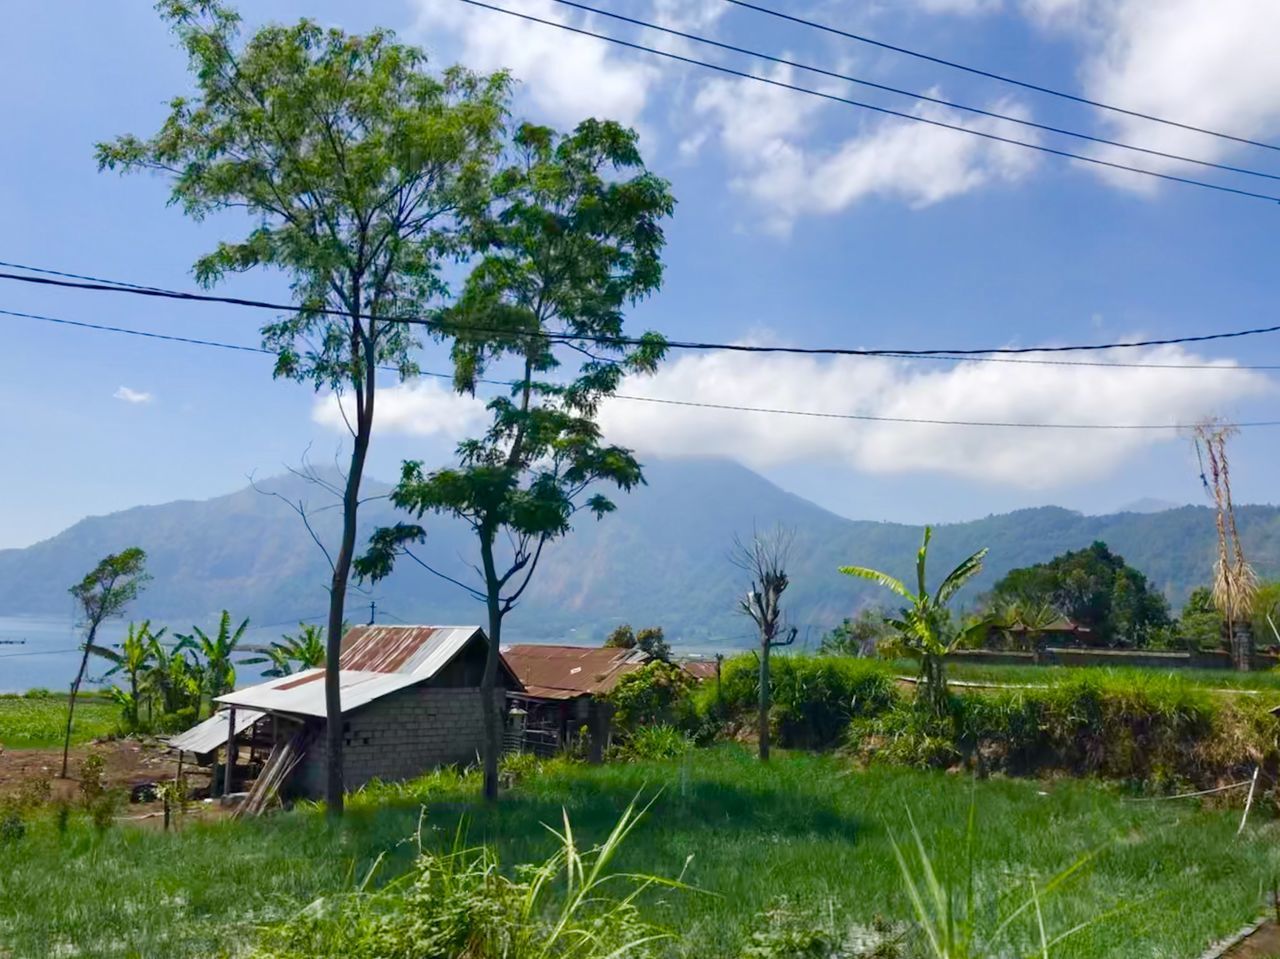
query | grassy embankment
(38,721)
(1169,876)
(1263,680)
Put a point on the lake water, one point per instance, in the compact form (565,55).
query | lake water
(40,652)
(45,652)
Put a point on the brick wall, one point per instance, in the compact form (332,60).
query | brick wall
(401,736)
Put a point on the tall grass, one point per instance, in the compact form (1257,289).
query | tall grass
(805,826)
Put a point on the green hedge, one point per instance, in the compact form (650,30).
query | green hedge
(814,697)
(1151,728)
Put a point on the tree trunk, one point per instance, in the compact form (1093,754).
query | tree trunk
(71,702)
(489,681)
(764,698)
(1241,645)
(933,683)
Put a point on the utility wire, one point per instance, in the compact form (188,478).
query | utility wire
(1084,158)
(927,98)
(859,417)
(1026,85)
(95,284)
(1221,367)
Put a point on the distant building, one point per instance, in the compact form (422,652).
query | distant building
(410,702)
(1061,632)
(560,690)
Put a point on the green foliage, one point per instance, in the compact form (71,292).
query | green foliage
(955,924)
(650,640)
(460,903)
(650,743)
(40,722)
(1092,587)
(805,824)
(290,654)
(1200,623)
(214,654)
(926,628)
(656,693)
(110,586)
(133,657)
(859,636)
(814,697)
(787,931)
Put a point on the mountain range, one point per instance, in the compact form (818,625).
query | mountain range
(661,559)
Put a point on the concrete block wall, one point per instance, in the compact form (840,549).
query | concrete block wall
(400,736)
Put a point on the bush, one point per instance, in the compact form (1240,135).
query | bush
(655,743)
(655,694)
(1153,729)
(786,932)
(176,722)
(814,697)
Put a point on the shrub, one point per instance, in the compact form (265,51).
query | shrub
(655,743)
(784,932)
(460,903)
(176,722)
(814,697)
(656,693)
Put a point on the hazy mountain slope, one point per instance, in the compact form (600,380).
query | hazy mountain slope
(662,558)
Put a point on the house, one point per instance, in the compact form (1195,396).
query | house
(1060,632)
(560,690)
(410,701)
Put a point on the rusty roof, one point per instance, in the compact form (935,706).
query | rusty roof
(567,672)
(375,661)
(700,669)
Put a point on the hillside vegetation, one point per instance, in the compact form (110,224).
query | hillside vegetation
(663,557)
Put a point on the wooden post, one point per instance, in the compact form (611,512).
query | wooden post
(181,790)
(229,771)
(719,694)
(1248,803)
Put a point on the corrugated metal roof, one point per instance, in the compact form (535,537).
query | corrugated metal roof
(205,737)
(375,661)
(565,672)
(699,669)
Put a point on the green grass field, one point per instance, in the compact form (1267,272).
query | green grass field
(38,722)
(1168,877)
(1265,681)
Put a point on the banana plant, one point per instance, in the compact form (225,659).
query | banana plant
(925,627)
(216,653)
(289,654)
(133,657)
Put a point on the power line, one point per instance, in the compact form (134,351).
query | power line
(936,422)
(95,284)
(858,417)
(1084,158)
(977,71)
(927,98)
(944,357)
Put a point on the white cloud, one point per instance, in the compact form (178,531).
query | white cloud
(1208,63)
(688,15)
(965,8)
(419,408)
(764,130)
(568,76)
(132,396)
(988,392)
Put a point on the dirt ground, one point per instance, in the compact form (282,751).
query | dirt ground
(128,763)
(1263,944)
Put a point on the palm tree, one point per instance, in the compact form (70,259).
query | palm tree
(306,650)
(133,657)
(926,628)
(219,671)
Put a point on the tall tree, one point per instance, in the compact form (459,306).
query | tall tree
(575,237)
(765,559)
(104,593)
(925,625)
(355,165)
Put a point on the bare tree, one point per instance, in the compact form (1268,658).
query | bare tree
(765,558)
(1235,584)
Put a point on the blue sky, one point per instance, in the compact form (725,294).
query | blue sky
(798,222)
